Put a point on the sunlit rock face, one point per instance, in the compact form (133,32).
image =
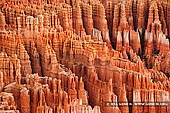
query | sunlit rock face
(84,56)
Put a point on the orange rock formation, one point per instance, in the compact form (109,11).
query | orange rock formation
(84,56)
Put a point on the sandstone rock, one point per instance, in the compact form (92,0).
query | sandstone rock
(48,63)
(2,20)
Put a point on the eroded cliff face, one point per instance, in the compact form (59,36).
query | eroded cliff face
(79,56)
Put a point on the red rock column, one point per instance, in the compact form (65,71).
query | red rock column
(123,19)
(77,20)
(126,39)
(99,17)
(35,61)
(168,18)
(34,98)
(117,80)
(119,41)
(72,92)
(151,101)
(109,15)
(1,81)
(150,19)
(82,94)
(115,24)
(18,19)
(123,100)
(35,27)
(24,59)
(40,23)
(23,19)
(135,42)
(46,20)
(144,99)
(140,15)
(165,100)
(24,101)
(66,103)
(149,43)
(137,99)
(129,86)
(2,21)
